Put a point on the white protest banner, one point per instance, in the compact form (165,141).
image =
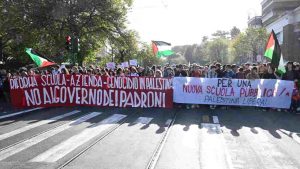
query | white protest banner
(133,62)
(241,92)
(125,64)
(111,65)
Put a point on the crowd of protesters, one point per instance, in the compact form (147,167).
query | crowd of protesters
(214,70)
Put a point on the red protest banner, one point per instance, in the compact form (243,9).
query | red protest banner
(89,90)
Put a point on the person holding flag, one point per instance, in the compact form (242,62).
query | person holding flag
(39,60)
(273,52)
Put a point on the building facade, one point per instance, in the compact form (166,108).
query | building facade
(283,16)
(255,22)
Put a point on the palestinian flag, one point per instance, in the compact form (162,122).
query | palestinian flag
(161,49)
(39,60)
(273,52)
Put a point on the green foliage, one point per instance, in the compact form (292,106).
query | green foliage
(218,50)
(44,24)
(249,43)
(189,53)
(124,47)
(220,34)
(146,57)
(176,58)
(100,25)
(234,32)
(102,62)
(240,48)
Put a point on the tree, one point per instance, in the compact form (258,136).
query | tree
(234,32)
(218,50)
(146,56)
(203,49)
(240,48)
(251,42)
(220,34)
(124,47)
(12,27)
(188,54)
(44,24)
(176,58)
(256,39)
(204,39)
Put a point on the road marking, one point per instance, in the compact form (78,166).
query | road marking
(20,112)
(215,119)
(35,140)
(143,120)
(23,129)
(168,122)
(214,153)
(62,149)
(211,128)
(205,119)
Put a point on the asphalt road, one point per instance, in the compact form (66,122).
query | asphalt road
(133,138)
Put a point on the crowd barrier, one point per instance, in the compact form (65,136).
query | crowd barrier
(146,92)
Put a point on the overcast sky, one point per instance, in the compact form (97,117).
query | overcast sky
(187,21)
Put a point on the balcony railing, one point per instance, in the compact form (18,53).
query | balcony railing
(270,4)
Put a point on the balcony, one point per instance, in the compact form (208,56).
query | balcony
(255,21)
(269,17)
(268,5)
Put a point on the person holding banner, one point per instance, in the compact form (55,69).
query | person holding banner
(240,74)
(219,71)
(180,72)
(158,74)
(134,72)
(292,74)
(168,72)
(150,73)
(111,73)
(228,73)
(212,74)
(253,74)
(64,71)
(120,72)
(195,71)
(141,71)
(270,74)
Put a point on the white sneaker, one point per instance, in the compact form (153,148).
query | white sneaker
(298,109)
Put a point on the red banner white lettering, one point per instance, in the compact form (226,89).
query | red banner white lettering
(88,90)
